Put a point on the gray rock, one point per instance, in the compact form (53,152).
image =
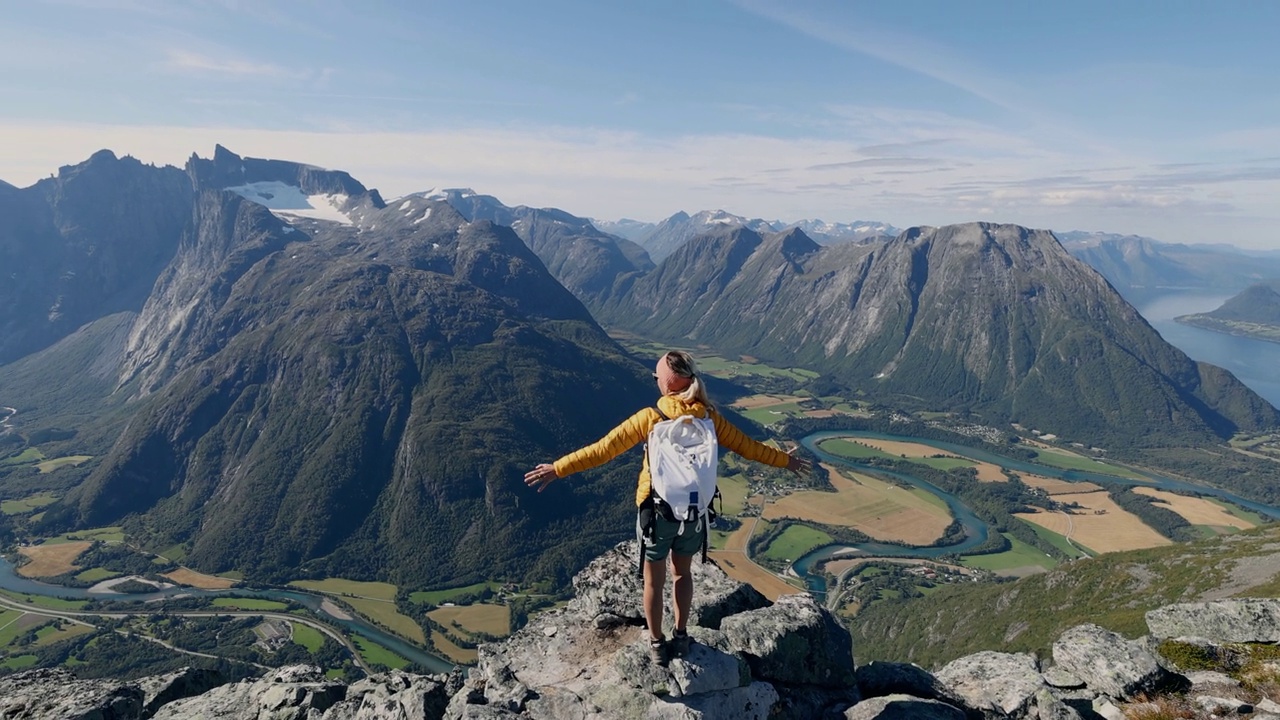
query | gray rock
(1244,620)
(163,689)
(1060,678)
(292,693)
(753,702)
(1108,709)
(902,707)
(1047,706)
(807,702)
(994,682)
(1219,705)
(1268,705)
(609,586)
(793,641)
(1109,663)
(1203,678)
(56,693)
(393,696)
(886,678)
(706,669)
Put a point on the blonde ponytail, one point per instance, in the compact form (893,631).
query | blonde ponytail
(683,365)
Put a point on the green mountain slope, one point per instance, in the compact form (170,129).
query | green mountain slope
(1113,590)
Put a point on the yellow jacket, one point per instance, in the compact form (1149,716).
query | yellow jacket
(635,430)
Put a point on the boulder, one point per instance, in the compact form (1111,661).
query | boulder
(887,678)
(1110,664)
(393,696)
(793,641)
(996,683)
(610,592)
(898,706)
(1221,621)
(161,690)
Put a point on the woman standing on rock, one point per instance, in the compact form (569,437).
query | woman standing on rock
(683,393)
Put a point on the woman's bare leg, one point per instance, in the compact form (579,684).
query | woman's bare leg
(655,577)
(682,588)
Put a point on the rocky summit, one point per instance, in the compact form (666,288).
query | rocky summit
(750,658)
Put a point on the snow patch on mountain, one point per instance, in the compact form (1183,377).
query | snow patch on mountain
(289,200)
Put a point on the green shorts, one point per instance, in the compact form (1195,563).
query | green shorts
(669,537)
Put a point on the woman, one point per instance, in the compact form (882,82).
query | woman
(683,393)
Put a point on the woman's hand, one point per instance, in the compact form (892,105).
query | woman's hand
(796,464)
(541,476)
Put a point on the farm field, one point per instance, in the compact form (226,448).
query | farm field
(1101,525)
(105,534)
(1197,511)
(307,636)
(456,653)
(384,613)
(375,654)
(483,618)
(49,560)
(795,541)
(29,455)
(920,452)
(27,504)
(1019,560)
(734,561)
(51,603)
(187,576)
(437,597)
(354,588)
(878,508)
(96,575)
(48,466)
(1067,460)
(1054,486)
(758,401)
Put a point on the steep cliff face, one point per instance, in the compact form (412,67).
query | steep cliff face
(993,318)
(363,399)
(85,244)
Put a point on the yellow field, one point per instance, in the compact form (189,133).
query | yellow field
(1113,530)
(485,618)
(1054,486)
(760,401)
(986,471)
(51,560)
(385,613)
(49,466)
(445,647)
(356,588)
(877,508)
(191,578)
(1197,511)
(737,566)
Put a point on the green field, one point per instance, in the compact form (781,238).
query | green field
(1077,462)
(1238,511)
(354,588)
(176,553)
(19,662)
(438,597)
(250,604)
(105,534)
(49,603)
(375,654)
(18,625)
(1019,556)
(50,634)
(307,636)
(29,455)
(795,541)
(49,466)
(774,413)
(97,575)
(1055,540)
(27,504)
(733,495)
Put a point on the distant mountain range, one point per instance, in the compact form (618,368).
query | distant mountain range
(1141,267)
(663,238)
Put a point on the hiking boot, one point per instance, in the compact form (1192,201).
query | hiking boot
(659,652)
(679,643)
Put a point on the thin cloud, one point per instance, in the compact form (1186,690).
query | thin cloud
(885,162)
(189,61)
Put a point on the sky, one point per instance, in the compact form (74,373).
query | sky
(1151,117)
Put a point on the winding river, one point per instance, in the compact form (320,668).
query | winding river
(10,580)
(975,529)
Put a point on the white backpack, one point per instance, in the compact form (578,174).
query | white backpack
(683,454)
